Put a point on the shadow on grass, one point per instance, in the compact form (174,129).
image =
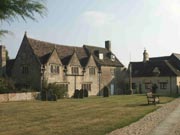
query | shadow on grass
(136,105)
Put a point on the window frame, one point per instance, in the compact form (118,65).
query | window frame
(163,85)
(54,69)
(25,69)
(92,71)
(86,86)
(75,70)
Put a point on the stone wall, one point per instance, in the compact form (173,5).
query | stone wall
(19,96)
(171,84)
(26,58)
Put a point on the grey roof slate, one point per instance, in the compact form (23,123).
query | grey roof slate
(167,65)
(43,50)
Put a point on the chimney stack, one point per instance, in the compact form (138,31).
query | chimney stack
(108,45)
(145,56)
(2,60)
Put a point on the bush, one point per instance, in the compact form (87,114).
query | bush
(154,88)
(85,93)
(76,93)
(52,92)
(6,85)
(57,90)
(81,93)
(105,92)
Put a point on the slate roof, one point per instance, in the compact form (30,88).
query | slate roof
(168,66)
(43,50)
(94,51)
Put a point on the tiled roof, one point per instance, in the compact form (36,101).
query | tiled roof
(43,50)
(168,66)
(106,56)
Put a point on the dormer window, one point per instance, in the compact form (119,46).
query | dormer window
(156,71)
(101,56)
(112,57)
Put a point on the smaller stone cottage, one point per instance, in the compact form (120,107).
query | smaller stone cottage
(162,73)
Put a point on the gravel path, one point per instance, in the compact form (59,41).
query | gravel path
(147,125)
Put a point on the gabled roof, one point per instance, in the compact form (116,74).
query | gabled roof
(167,65)
(43,50)
(94,51)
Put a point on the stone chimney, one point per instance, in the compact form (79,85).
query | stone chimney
(108,45)
(145,56)
(2,60)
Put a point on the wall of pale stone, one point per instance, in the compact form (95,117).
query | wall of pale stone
(19,96)
(171,84)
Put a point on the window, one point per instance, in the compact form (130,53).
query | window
(25,69)
(86,86)
(92,71)
(55,69)
(163,85)
(75,70)
(148,85)
(112,57)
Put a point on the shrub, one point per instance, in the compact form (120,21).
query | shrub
(105,92)
(57,90)
(52,92)
(85,93)
(81,93)
(76,93)
(154,88)
(6,85)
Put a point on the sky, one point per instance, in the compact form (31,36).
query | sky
(130,25)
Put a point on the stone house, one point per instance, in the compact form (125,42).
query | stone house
(87,67)
(163,72)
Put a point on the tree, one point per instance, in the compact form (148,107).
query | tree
(12,9)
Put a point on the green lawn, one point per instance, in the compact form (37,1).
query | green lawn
(89,116)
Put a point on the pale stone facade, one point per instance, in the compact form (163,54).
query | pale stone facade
(86,67)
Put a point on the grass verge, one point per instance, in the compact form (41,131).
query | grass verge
(89,116)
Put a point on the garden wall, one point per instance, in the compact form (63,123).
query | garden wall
(19,96)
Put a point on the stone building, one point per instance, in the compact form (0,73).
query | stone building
(87,67)
(163,72)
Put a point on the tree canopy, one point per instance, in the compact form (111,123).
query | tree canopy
(11,10)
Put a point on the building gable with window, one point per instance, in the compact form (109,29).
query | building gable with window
(87,67)
(163,72)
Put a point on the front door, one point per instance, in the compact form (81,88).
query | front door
(112,89)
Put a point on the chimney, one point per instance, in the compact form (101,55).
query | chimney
(2,60)
(108,45)
(145,56)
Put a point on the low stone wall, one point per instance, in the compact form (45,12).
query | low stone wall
(19,96)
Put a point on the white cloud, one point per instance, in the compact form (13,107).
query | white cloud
(169,9)
(97,18)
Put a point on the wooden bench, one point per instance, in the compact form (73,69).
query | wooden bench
(151,98)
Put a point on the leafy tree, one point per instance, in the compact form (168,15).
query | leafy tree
(12,9)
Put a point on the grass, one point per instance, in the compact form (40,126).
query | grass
(89,116)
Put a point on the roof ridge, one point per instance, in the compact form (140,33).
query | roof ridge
(55,44)
(171,67)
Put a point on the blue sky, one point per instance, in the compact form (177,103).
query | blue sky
(131,25)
